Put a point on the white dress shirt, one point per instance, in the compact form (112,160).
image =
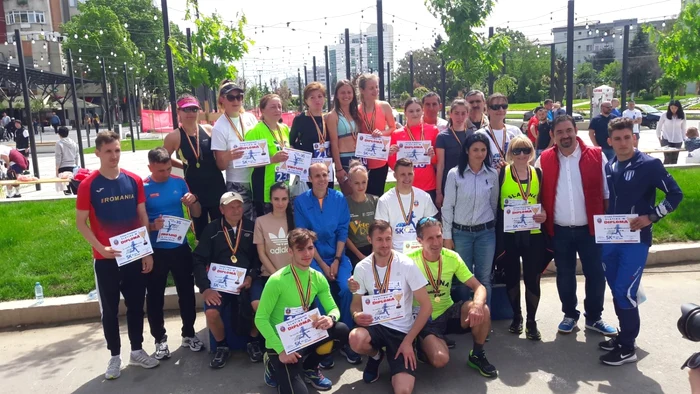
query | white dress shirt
(570,202)
(672,130)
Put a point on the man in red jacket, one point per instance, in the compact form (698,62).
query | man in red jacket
(574,189)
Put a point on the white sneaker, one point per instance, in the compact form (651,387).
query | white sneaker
(193,343)
(142,359)
(114,368)
(162,350)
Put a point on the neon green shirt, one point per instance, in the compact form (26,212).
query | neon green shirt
(280,298)
(452,265)
(262,178)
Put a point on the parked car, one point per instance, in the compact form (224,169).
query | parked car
(650,115)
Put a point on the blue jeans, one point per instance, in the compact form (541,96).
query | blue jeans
(477,250)
(566,242)
(339,289)
(624,264)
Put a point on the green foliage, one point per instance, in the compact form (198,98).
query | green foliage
(419,92)
(669,84)
(403,98)
(679,46)
(612,74)
(505,84)
(528,64)
(602,58)
(586,75)
(646,95)
(471,52)
(643,62)
(286,96)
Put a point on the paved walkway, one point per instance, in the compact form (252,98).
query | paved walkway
(72,358)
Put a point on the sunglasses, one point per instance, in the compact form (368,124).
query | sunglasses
(426,219)
(693,362)
(520,151)
(190,110)
(496,107)
(234,97)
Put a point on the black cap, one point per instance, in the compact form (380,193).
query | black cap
(228,88)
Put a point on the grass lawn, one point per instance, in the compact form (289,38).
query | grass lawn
(40,242)
(140,145)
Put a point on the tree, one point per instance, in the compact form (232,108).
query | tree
(669,84)
(601,58)
(471,53)
(527,63)
(285,95)
(679,48)
(505,84)
(612,74)
(419,92)
(643,63)
(403,98)
(586,75)
(426,72)
(559,78)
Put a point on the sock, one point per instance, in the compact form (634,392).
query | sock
(478,349)
(135,351)
(376,356)
(222,343)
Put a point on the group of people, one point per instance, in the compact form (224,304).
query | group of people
(327,249)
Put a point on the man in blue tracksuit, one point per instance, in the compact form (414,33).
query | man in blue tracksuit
(633,178)
(325,211)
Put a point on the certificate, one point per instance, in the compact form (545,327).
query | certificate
(369,147)
(174,229)
(325,160)
(520,218)
(133,244)
(226,278)
(254,154)
(384,306)
(297,163)
(615,229)
(409,246)
(415,151)
(298,333)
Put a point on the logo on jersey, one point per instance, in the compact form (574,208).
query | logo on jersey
(99,190)
(280,241)
(629,175)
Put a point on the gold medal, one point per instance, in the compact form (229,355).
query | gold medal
(198,165)
(434,281)
(233,249)
(437,299)
(382,287)
(234,259)
(320,132)
(305,298)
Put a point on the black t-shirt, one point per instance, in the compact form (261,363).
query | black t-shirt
(543,136)
(205,181)
(304,136)
(446,140)
(599,124)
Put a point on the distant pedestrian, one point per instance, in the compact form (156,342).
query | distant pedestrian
(598,129)
(96,123)
(55,122)
(615,105)
(670,129)
(66,154)
(636,116)
(692,145)
(21,138)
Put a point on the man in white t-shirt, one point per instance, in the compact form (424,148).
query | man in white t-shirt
(404,212)
(498,131)
(228,131)
(431,108)
(636,115)
(386,271)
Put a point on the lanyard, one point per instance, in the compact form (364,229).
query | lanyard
(382,287)
(196,152)
(277,137)
(407,218)
(523,193)
(433,282)
(493,137)
(305,298)
(235,130)
(454,133)
(234,249)
(321,134)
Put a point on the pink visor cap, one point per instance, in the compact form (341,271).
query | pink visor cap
(187,102)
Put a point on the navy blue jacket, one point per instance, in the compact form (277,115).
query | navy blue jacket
(634,189)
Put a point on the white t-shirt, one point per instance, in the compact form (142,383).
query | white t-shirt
(441,124)
(388,209)
(223,138)
(633,114)
(511,132)
(405,277)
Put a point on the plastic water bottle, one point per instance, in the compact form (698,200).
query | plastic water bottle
(92,295)
(38,293)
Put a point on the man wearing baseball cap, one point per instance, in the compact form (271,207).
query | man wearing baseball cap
(229,130)
(228,242)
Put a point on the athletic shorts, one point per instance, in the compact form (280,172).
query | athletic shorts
(447,323)
(257,287)
(384,337)
(226,299)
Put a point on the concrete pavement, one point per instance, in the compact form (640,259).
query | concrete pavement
(72,358)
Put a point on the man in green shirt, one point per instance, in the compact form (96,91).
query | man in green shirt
(439,265)
(288,293)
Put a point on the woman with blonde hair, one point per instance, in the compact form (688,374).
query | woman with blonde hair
(362,207)
(520,185)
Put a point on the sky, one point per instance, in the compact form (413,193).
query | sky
(278,51)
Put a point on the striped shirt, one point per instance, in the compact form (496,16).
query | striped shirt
(470,200)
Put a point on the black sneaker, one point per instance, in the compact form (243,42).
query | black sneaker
(352,357)
(531,331)
(619,356)
(254,352)
(450,343)
(481,364)
(222,354)
(609,345)
(371,372)
(516,327)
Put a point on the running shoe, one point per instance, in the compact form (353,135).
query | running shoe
(268,376)
(193,343)
(531,331)
(603,328)
(114,368)
(219,360)
(327,362)
(567,325)
(315,378)
(611,344)
(254,352)
(371,372)
(352,357)
(619,356)
(516,327)
(450,343)
(162,350)
(481,364)
(142,359)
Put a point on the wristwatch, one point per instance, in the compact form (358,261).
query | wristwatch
(654,217)
(333,318)
(337,258)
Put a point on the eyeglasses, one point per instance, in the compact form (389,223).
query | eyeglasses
(426,219)
(520,151)
(496,107)
(190,110)
(234,97)
(693,362)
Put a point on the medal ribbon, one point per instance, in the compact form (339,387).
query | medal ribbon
(277,137)
(431,279)
(234,249)
(195,152)
(523,193)
(410,211)
(493,137)
(235,130)
(370,124)
(305,298)
(382,287)
(422,132)
(321,134)
(454,133)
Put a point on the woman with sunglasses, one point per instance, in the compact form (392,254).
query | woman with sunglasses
(343,124)
(417,130)
(498,131)
(229,130)
(520,185)
(448,145)
(469,209)
(377,119)
(277,136)
(192,144)
(309,132)
(670,130)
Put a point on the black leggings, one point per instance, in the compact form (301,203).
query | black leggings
(377,180)
(289,377)
(208,214)
(532,255)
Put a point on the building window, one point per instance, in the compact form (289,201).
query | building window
(14,17)
(589,48)
(579,33)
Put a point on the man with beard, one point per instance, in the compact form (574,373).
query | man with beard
(598,129)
